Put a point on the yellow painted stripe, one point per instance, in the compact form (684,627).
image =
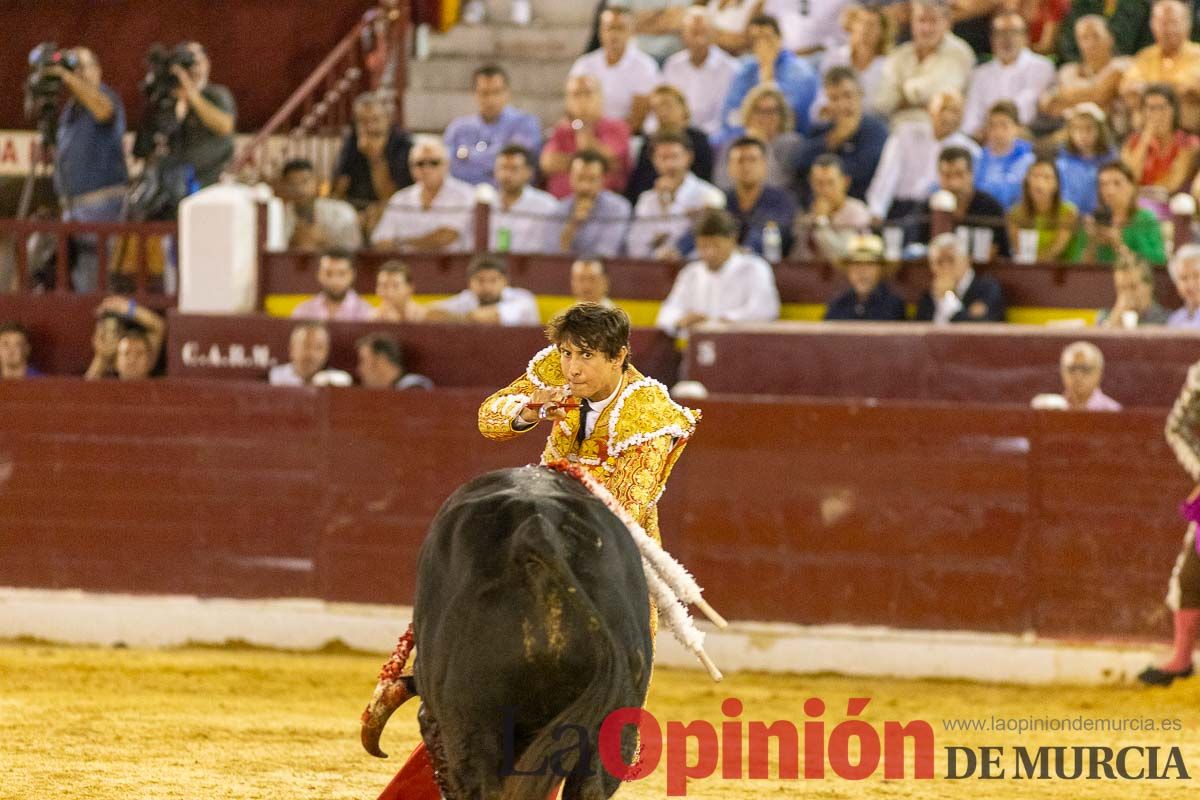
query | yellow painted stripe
(643,312)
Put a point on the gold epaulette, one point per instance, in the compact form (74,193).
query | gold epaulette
(545,369)
(643,411)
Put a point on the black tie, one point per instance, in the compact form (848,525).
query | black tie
(584,408)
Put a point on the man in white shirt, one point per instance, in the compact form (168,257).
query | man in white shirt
(702,71)
(809,26)
(488,299)
(311,222)
(435,213)
(337,298)
(934,60)
(308,350)
(907,170)
(520,218)
(725,285)
(1015,73)
(663,215)
(626,74)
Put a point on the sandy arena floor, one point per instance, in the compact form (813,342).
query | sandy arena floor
(204,723)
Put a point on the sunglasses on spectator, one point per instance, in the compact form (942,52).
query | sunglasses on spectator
(428,162)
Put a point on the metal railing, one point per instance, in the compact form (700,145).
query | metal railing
(371,57)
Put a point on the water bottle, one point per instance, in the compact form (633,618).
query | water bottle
(772,242)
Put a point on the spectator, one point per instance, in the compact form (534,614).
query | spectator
(754,204)
(584,128)
(1043,210)
(767,117)
(89,160)
(381,365)
(521,217)
(474,141)
(435,213)
(1015,74)
(1160,154)
(589,281)
(769,63)
(308,352)
(956,293)
(702,72)
(663,214)
(657,24)
(974,208)
(310,222)
(1118,222)
(724,285)
(1044,18)
(833,217)
(119,318)
(207,115)
(1082,368)
(870,297)
(1185,274)
(1087,148)
(935,60)
(1127,20)
(488,299)
(808,27)
(671,111)
(731,21)
(1005,157)
(1133,283)
(1095,78)
(1172,59)
(872,37)
(591,219)
(337,298)
(853,137)
(907,169)
(626,74)
(393,286)
(14,352)
(373,162)
(972,22)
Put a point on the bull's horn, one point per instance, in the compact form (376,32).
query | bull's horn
(389,695)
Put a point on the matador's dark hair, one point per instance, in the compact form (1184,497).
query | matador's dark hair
(593,326)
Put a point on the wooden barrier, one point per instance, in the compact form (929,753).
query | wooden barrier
(979,363)
(901,514)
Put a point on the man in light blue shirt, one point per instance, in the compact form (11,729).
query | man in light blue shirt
(769,62)
(591,219)
(474,141)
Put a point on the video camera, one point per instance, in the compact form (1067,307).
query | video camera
(159,87)
(42,87)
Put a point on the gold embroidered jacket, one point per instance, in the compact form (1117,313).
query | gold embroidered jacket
(634,445)
(1183,425)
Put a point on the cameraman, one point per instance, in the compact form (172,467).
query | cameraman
(206,114)
(89,161)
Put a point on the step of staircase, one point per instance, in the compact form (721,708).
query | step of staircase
(552,12)
(528,77)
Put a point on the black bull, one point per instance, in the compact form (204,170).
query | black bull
(531,614)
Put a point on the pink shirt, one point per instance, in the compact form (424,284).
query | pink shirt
(352,309)
(1099,401)
(612,133)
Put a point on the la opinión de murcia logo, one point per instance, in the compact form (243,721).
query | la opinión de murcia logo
(815,750)
(234,355)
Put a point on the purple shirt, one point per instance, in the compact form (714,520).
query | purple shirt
(352,309)
(1099,401)
(1182,318)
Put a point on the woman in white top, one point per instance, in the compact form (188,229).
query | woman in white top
(729,20)
(872,35)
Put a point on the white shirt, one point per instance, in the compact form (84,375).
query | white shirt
(452,207)
(1022,82)
(704,87)
(733,18)
(908,81)
(808,24)
(526,221)
(335,218)
(742,290)
(907,168)
(286,375)
(635,74)
(516,306)
(950,303)
(655,225)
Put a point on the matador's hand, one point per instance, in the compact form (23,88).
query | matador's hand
(551,401)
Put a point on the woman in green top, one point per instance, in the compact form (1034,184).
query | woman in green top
(1119,222)
(1042,209)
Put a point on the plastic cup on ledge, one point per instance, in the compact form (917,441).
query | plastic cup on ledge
(893,242)
(981,245)
(1027,244)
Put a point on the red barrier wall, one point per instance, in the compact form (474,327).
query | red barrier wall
(911,515)
(911,361)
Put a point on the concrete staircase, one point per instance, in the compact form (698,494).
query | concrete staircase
(536,57)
